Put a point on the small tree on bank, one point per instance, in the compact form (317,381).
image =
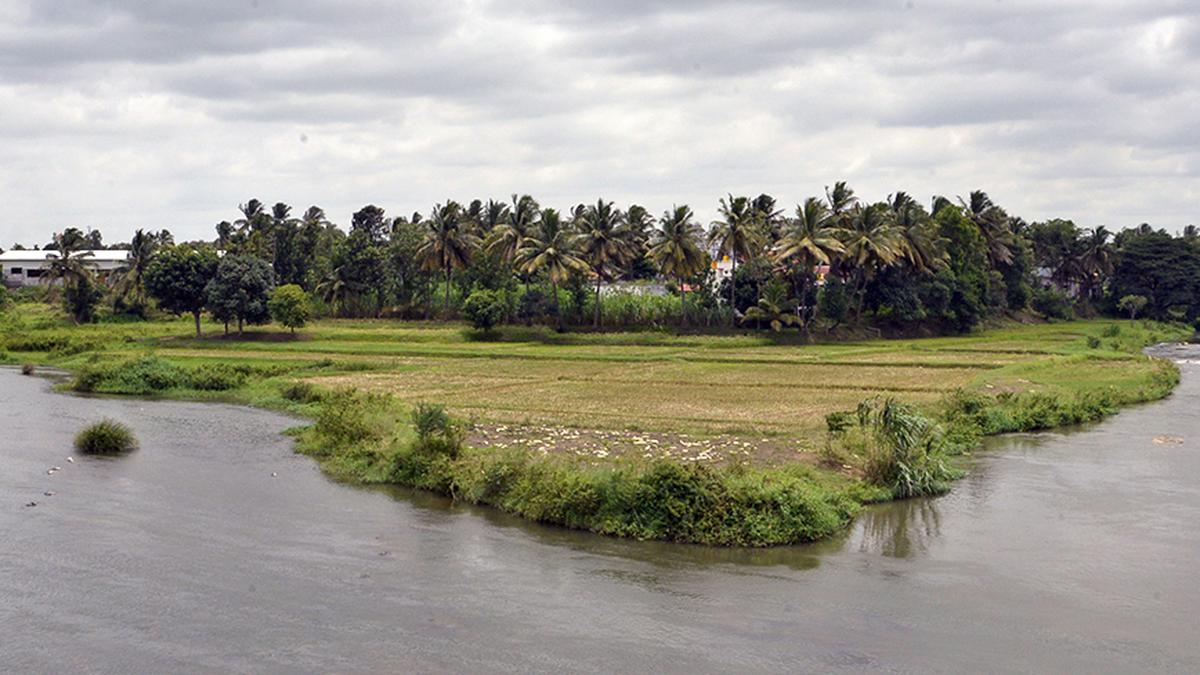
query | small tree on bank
(177,278)
(241,289)
(1132,304)
(289,306)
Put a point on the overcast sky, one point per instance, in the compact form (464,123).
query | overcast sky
(158,113)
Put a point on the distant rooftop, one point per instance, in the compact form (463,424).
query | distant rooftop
(45,254)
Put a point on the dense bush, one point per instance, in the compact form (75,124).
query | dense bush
(28,369)
(900,448)
(151,375)
(1052,304)
(484,309)
(105,437)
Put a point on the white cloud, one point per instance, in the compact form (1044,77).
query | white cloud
(168,114)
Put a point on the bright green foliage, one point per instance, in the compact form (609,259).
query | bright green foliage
(484,309)
(289,306)
(240,290)
(177,278)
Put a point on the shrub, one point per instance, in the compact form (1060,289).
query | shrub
(28,369)
(1052,304)
(346,419)
(484,309)
(301,392)
(1111,331)
(105,437)
(436,431)
(1093,342)
(216,377)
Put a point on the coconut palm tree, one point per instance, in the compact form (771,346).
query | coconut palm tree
(872,241)
(841,199)
(449,242)
(808,240)
(921,245)
(992,222)
(604,243)
(551,249)
(129,283)
(508,237)
(774,308)
(70,266)
(735,235)
(675,249)
(639,223)
(1094,260)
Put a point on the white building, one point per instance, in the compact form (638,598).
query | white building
(26,268)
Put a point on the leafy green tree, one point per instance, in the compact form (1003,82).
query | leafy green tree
(551,250)
(1163,269)
(177,278)
(675,250)
(240,290)
(289,306)
(1132,304)
(605,244)
(735,235)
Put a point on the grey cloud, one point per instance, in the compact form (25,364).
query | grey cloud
(185,108)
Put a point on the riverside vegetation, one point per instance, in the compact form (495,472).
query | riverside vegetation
(763,415)
(821,428)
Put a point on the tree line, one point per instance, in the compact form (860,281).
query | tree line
(833,260)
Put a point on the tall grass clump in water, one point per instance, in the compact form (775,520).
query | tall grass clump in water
(898,448)
(106,437)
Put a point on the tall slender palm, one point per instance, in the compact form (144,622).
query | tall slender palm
(508,237)
(640,223)
(449,242)
(872,241)
(551,249)
(920,244)
(1094,260)
(735,235)
(130,277)
(992,222)
(841,199)
(675,249)
(808,240)
(769,216)
(70,265)
(604,243)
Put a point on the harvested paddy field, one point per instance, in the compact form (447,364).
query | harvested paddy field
(757,398)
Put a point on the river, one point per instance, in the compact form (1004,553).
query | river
(214,548)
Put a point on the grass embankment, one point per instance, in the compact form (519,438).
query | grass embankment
(738,440)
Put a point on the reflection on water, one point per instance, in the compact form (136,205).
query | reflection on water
(215,548)
(899,529)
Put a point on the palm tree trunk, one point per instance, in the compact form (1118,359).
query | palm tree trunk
(596,309)
(447,291)
(683,303)
(557,311)
(196,316)
(732,290)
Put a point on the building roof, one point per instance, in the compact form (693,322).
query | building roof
(43,255)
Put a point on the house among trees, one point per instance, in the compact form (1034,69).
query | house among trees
(27,268)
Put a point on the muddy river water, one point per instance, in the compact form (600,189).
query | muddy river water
(214,548)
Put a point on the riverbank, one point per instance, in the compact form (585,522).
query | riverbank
(730,440)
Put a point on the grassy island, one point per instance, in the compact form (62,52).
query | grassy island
(746,439)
